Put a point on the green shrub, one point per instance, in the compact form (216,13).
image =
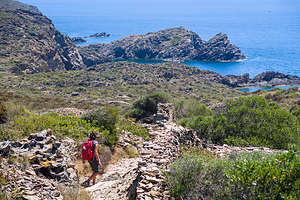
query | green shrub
(296,111)
(186,108)
(3,135)
(248,121)
(147,105)
(134,128)
(106,118)
(245,176)
(258,122)
(201,124)
(183,174)
(260,176)
(62,126)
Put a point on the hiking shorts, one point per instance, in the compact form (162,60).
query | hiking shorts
(95,165)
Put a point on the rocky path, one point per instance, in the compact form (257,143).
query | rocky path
(156,153)
(146,172)
(142,178)
(118,182)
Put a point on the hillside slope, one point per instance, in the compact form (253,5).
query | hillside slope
(30,43)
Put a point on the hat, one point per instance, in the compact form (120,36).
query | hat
(94,134)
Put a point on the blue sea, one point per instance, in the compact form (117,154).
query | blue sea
(266,31)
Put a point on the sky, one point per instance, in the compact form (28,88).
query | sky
(169,7)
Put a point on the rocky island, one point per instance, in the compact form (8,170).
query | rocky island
(97,35)
(78,40)
(174,44)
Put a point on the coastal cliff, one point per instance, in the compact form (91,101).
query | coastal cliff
(174,44)
(30,43)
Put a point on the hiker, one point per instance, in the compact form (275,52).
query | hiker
(90,153)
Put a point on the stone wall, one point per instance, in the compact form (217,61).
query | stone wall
(34,166)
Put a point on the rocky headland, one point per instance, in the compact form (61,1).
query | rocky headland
(263,79)
(174,44)
(30,43)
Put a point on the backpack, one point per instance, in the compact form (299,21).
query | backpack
(87,151)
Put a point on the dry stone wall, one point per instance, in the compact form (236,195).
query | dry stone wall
(159,151)
(34,166)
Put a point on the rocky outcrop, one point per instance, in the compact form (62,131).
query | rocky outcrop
(275,78)
(175,44)
(30,43)
(264,79)
(236,81)
(34,167)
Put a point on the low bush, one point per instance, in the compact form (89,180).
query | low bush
(184,173)
(106,118)
(296,111)
(62,126)
(260,176)
(147,105)
(134,128)
(186,108)
(245,176)
(248,121)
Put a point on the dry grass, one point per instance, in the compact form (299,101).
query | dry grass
(84,170)
(73,193)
